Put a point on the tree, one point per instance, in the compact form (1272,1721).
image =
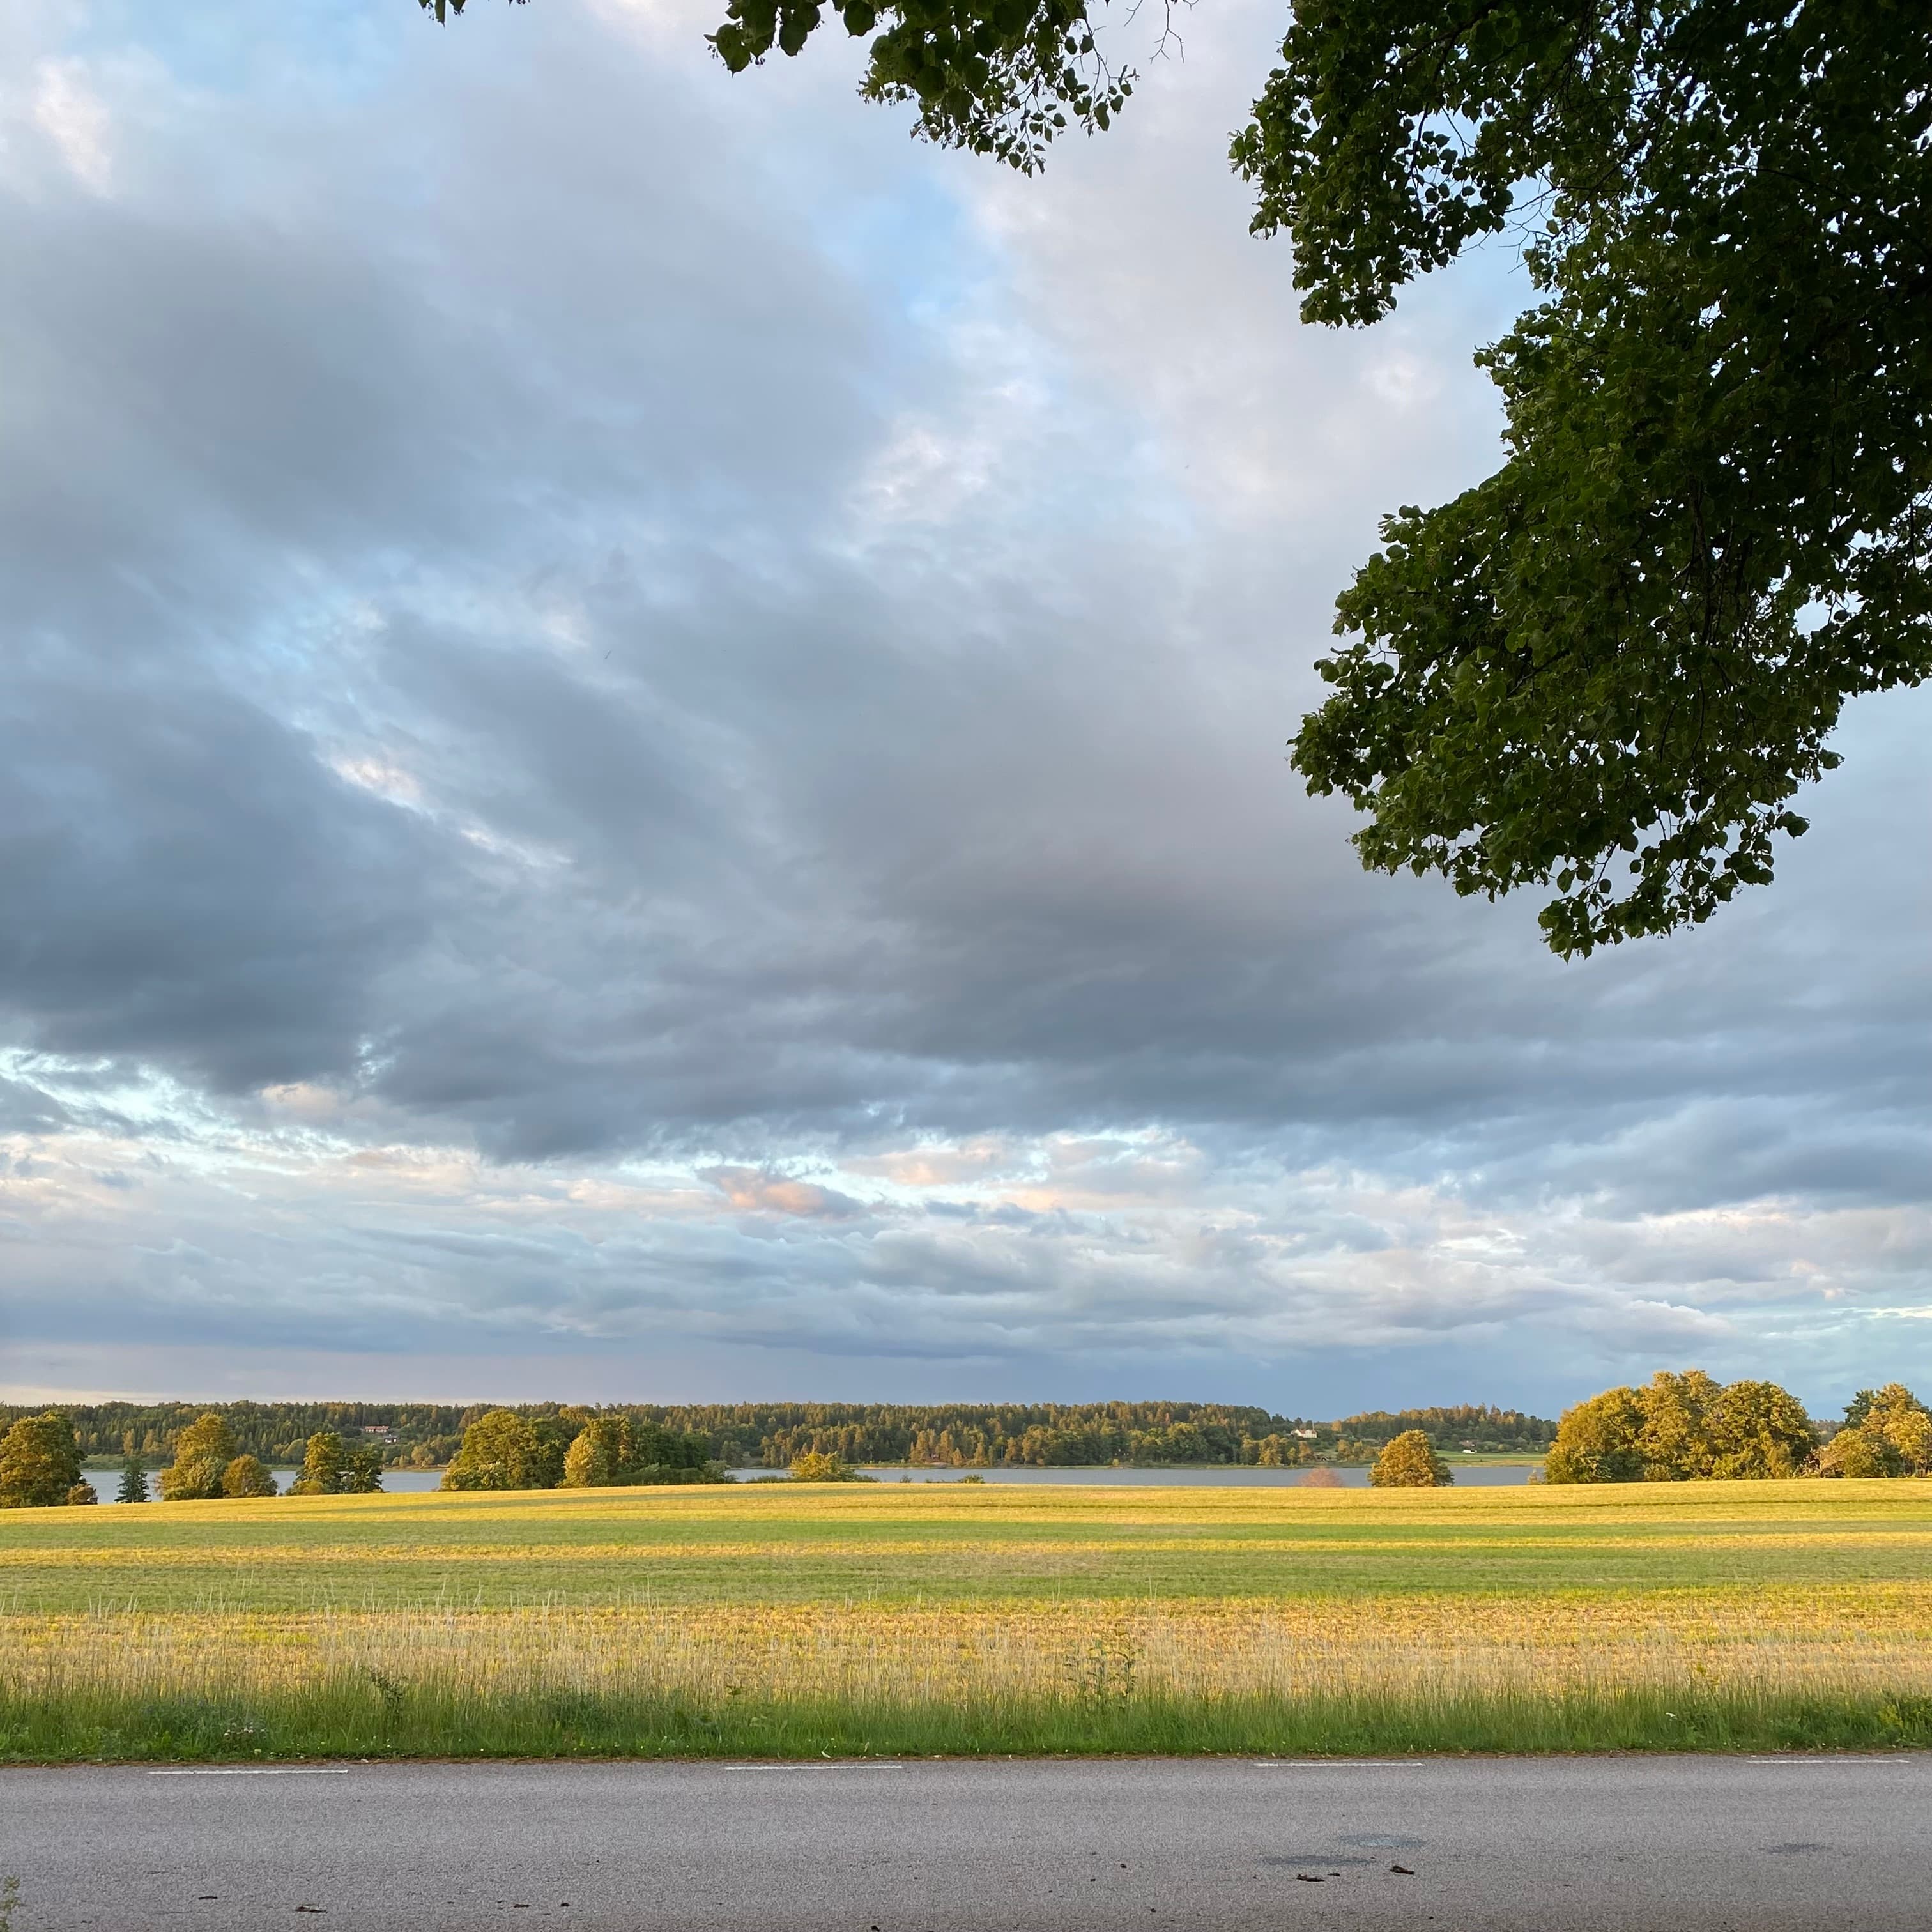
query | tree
(1856,1452)
(202,1453)
(81,1495)
(248,1476)
(594,1458)
(1609,666)
(815,1466)
(1681,1427)
(501,1450)
(40,1463)
(1410,1462)
(133,1481)
(1888,1433)
(322,1466)
(1599,1441)
(362,1471)
(1678,1440)
(1760,1430)
(1900,1419)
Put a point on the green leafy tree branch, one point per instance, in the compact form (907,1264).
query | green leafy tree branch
(1608,668)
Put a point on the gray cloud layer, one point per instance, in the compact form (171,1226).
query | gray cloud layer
(638,715)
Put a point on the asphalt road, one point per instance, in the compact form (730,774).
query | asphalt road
(1639,1845)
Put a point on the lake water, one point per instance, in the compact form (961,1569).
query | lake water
(1471,1475)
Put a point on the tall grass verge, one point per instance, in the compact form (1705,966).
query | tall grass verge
(345,1716)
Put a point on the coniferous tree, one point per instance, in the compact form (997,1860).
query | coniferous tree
(133,1481)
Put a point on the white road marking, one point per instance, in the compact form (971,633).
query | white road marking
(252,1771)
(1889,1757)
(854,1766)
(1339,1763)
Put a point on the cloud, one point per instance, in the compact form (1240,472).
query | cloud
(669,753)
(68,111)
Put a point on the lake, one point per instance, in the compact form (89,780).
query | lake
(1474,1475)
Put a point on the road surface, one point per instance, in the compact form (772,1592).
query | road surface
(1573,1845)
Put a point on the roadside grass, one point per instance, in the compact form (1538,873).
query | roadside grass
(347,1719)
(920,1620)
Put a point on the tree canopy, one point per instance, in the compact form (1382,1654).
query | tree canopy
(40,1464)
(1679,1428)
(1410,1462)
(202,1453)
(1609,668)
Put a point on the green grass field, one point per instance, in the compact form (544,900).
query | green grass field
(787,1619)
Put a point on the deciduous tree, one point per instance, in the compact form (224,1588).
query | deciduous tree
(40,1463)
(1600,1440)
(248,1476)
(1760,1429)
(202,1453)
(1410,1462)
(322,1465)
(1888,1433)
(1609,667)
(501,1450)
(592,1461)
(1680,1427)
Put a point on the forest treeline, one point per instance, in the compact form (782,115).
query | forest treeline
(773,1435)
(1681,1426)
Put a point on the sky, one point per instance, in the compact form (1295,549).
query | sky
(644,758)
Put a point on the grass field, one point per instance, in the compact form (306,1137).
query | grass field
(901,1618)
